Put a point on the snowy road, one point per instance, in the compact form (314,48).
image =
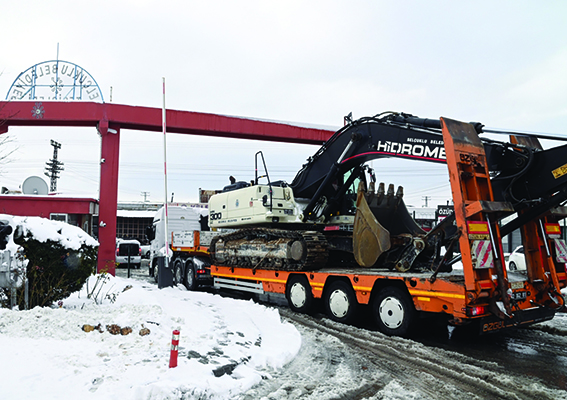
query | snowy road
(347,362)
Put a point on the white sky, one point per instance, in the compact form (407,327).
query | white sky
(502,64)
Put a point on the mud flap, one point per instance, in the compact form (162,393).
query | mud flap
(521,318)
(370,239)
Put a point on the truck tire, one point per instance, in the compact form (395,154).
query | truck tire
(178,272)
(394,311)
(154,271)
(340,302)
(512,266)
(298,294)
(190,282)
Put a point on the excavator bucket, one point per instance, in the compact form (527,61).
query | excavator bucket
(370,239)
(378,216)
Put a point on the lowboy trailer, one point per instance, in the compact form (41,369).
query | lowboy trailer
(329,235)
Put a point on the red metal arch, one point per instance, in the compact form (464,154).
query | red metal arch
(109,119)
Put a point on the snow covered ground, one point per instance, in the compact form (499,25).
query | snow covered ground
(229,349)
(46,354)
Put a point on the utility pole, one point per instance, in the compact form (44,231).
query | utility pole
(426,199)
(146,195)
(54,166)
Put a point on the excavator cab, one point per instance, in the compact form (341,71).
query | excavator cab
(341,195)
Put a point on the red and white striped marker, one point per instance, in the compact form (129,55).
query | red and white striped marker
(560,250)
(481,250)
(174,349)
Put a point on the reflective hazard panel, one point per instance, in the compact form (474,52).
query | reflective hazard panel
(481,252)
(553,230)
(478,230)
(560,251)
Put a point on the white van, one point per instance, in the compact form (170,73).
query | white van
(128,247)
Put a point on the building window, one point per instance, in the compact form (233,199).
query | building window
(58,217)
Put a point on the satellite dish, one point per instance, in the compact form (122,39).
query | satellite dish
(34,185)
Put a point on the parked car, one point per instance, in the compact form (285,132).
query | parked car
(132,248)
(146,251)
(517,260)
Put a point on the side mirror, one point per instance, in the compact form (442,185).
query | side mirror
(5,231)
(150,233)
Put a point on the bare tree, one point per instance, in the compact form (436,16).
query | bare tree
(5,153)
(5,139)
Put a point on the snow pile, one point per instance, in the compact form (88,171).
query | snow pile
(558,325)
(226,345)
(42,229)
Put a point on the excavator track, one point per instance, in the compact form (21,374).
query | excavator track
(271,249)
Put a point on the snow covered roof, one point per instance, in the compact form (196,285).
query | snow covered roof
(332,128)
(42,229)
(422,212)
(57,195)
(136,213)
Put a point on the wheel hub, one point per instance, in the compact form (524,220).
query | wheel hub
(338,303)
(297,295)
(391,312)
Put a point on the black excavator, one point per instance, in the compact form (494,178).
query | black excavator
(333,215)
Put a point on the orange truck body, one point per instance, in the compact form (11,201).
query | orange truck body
(446,295)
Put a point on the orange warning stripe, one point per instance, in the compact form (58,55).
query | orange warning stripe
(319,286)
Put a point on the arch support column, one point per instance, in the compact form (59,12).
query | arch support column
(108,196)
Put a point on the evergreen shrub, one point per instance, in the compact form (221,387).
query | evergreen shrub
(53,271)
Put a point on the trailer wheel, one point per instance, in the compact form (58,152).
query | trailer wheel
(177,272)
(190,281)
(394,311)
(299,295)
(340,302)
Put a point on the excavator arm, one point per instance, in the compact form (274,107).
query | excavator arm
(520,174)
(352,146)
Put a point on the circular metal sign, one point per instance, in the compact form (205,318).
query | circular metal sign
(55,80)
